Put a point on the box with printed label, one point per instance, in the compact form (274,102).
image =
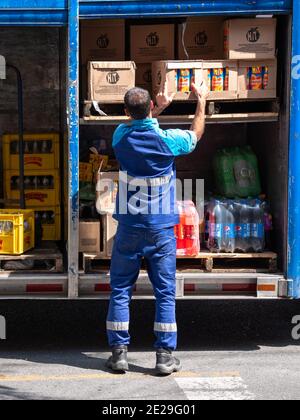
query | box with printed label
(102,40)
(201,39)
(152,43)
(257,79)
(178,76)
(108,82)
(221,78)
(144,76)
(247,39)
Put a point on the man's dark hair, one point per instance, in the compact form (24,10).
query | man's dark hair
(138,103)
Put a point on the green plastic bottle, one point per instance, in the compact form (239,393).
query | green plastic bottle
(225,181)
(241,173)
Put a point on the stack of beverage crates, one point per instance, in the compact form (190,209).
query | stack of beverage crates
(42,181)
(241,222)
(238,225)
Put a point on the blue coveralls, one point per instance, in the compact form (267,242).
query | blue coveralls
(147,213)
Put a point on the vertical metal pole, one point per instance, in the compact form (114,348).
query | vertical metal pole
(21,133)
(73,128)
(294,165)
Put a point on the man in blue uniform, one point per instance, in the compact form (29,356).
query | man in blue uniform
(147,213)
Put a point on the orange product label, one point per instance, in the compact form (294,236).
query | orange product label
(1,244)
(218,80)
(256,80)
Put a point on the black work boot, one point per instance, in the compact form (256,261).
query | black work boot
(118,361)
(166,363)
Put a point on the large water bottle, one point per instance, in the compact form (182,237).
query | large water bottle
(229,227)
(216,227)
(239,232)
(246,221)
(258,226)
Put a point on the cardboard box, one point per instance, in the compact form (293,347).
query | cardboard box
(102,40)
(110,226)
(165,72)
(230,88)
(144,76)
(108,196)
(108,82)
(269,89)
(152,43)
(85,172)
(90,236)
(202,39)
(247,39)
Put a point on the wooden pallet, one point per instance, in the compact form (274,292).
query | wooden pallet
(48,251)
(265,262)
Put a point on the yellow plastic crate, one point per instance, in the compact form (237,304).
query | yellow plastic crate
(51,222)
(42,188)
(16,231)
(41,151)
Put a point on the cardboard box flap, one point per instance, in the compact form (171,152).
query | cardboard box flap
(176,65)
(120,65)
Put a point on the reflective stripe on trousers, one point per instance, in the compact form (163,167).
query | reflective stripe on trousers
(159,250)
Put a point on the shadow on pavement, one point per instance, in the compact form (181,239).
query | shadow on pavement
(203,325)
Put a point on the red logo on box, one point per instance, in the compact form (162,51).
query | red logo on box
(34,161)
(36,196)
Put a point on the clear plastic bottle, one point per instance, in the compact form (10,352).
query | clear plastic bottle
(229,227)
(258,226)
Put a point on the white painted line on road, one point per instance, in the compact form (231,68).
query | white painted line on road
(215,389)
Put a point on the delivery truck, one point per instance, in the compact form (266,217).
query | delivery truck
(54,46)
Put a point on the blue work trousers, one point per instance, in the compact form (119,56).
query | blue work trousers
(158,247)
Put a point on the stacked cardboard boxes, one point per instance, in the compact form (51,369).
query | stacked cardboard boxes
(42,180)
(249,70)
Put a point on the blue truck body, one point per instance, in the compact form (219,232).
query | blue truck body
(69,12)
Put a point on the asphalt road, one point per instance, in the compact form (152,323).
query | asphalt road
(229,350)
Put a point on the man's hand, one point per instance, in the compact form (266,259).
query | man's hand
(163,100)
(201,92)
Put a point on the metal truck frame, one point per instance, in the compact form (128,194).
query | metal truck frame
(67,13)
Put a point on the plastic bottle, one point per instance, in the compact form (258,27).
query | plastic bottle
(188,235)
(217,242)
(229,227)
(224,174)
(241,172)
(239,232)
(246,221)
(258,226)
(268,218)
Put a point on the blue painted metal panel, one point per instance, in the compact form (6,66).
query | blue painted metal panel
(155,8)
(73,128)
(33,12)
(294,169)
